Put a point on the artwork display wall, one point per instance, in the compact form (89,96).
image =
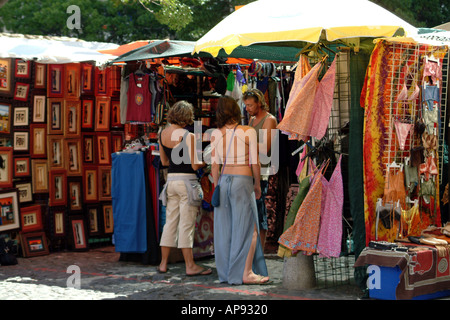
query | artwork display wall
(57,132)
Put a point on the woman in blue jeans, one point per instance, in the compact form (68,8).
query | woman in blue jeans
(237,246)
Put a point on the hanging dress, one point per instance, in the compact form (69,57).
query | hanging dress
(330,234)
(303,234)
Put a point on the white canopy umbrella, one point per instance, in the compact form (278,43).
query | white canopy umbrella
(53,49)
(272,21)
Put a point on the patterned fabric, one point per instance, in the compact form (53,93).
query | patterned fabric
(330,235)
(323,102)
(303,234)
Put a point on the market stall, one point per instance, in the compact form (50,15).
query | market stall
(59,110)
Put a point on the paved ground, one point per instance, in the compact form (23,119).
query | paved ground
(103,276)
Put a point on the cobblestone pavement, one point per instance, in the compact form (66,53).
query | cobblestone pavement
(103,276)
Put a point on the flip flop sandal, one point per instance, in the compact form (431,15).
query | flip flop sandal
(258,282)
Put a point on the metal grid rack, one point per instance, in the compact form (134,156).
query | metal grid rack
(333,272)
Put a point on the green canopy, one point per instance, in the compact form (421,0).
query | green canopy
(173,48)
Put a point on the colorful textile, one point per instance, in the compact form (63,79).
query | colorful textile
(323,103)
(330,235)
(303,234)
(298,114)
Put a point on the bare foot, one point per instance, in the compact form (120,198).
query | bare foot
(253,278)
(198,271)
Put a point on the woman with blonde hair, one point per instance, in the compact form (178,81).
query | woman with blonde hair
(177,151)
(237,246)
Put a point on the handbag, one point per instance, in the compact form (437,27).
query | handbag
(215,199)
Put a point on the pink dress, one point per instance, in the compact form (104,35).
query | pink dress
(330,234)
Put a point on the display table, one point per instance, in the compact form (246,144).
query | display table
(422,272)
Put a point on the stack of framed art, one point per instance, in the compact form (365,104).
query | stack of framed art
(59,124)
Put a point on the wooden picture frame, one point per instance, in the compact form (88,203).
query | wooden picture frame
(72,123)
(101,81)
(34,244)
(6,167)
(9,202)
(6,77)
(103,148)
(72,152)
(72,75)
(55,150)
(38,140)
(23,69)
(25,191)
(31,218)
(39,176)
(5,117)
(59,222)
(102,113)
(117,139)
(87,78)
(75,196)
(21,141)
(39,111)
(22,167)
(104,183)
(58,188)
(89,148)
(21,91)
(87,114)
(94,219)
(108,218)
(90,183)
(21,116)
(115,114)
(40,76)
(79,237)
(55,116)
(55,81)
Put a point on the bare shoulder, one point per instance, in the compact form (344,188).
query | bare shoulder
(270,123)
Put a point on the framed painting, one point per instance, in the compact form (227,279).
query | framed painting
(39,111)
(115,114)
(6,77)
(117,138)
(90,182)
(104,183)
(104,148)
(39,175)
(72,124)
(89,141)
(38,140)
(10,218)
(21,141)
(31,218)
(114,79)
(75,196)
(72,151)
(87,78)
(24,191)
(6,167)
(40,76)
(21,91)
(59,222)
(78,233)
(55,80)
(22,167)
(21,116)
(101,81)
(108,219)
(58,188)
(5,118)
(55,115)
(87,114)
(34,244)
(72,74)
(55,147)
(23,69)
(102,113)
(94,220)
